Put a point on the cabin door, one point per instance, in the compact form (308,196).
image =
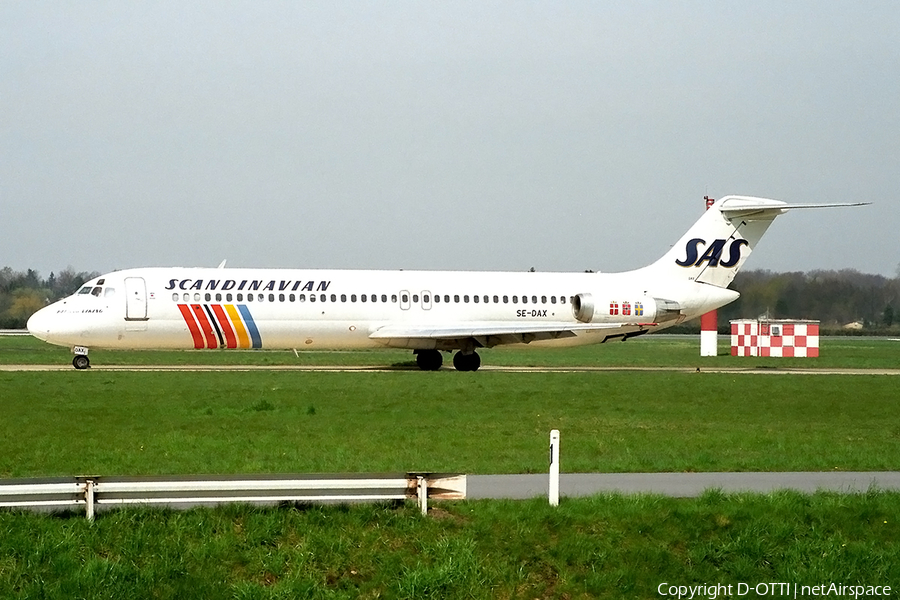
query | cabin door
(135,299)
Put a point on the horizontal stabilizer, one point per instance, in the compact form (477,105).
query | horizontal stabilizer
(761,208)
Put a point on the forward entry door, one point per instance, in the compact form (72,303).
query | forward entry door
(135,299)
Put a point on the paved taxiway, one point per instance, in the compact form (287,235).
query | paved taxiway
(678,485)
(488,368)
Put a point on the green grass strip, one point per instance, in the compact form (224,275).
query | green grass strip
(123,423)
(600,547)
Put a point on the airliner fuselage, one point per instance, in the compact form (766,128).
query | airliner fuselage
(426,311)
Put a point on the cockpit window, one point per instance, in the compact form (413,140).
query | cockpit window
(110,291)
(96,291)
(85,290)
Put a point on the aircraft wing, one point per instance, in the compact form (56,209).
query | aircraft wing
(488,335)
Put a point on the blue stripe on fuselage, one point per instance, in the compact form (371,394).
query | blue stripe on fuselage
(251,326)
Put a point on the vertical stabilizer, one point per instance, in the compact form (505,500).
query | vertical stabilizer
(718,244)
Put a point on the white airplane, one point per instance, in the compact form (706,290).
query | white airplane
(429,312)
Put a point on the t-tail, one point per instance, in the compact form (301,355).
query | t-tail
(718,244)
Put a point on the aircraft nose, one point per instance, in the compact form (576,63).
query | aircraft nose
(39,324)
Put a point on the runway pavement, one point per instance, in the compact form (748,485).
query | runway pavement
(678,485)
(486,368)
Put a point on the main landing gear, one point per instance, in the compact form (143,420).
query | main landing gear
(81,362)
(466,362)
(431,360)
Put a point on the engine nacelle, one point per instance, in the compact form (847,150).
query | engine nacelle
(583,307)
(636,309)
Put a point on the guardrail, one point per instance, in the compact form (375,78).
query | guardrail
(60,493)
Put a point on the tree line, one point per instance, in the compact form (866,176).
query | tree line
(22,293)
(836,298)
(844,300)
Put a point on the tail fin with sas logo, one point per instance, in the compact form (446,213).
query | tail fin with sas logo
(718,244)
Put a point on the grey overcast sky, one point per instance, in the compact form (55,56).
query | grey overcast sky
(452,135)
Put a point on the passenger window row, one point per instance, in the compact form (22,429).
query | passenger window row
(374,298)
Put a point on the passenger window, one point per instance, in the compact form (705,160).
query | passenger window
(496,300)
(505,299)
(416,298)
(291,298)
(524,299)
(240,297)
(352,297)
(475,299)
(384,298)
(322,297)
(334,297)
(281,297)
(394,298)
(534,299)
(426,298)
(301,298)
(197,297)
(404,298)
(312,297)
(515,299)
(456,298)
(437,298)
(175,297)
(249,297)
(207,296)
(343,297)
(228,297)
(218,297)
(261,297)
(363,298)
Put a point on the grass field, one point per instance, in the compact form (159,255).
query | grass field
(601,547)
(109,423)
(121,423)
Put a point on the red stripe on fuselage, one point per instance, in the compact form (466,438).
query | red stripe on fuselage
(192,326)
(225,324)
(205,326)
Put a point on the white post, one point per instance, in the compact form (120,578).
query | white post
(554,468)
(89,499)
(423,494)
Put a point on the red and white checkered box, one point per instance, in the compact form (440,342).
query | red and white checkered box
(775,338)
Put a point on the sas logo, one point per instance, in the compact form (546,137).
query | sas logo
(713,254)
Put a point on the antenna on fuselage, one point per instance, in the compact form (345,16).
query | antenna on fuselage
(222,264)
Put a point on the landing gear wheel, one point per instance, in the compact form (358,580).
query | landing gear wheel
(466,362)
(429,360)
(81,362)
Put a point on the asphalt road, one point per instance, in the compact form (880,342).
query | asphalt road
(679,485)
(488,368)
